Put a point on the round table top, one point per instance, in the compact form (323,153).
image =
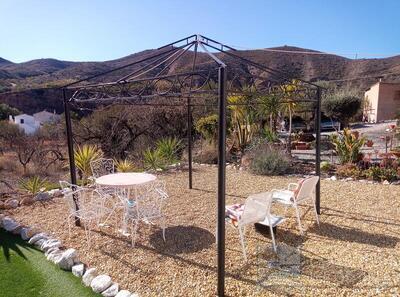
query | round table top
(125,179)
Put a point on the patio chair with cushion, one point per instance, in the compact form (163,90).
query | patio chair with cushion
(256,209)
(297,193)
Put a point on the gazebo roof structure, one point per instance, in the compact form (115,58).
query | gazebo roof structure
(155,75)
(162,77)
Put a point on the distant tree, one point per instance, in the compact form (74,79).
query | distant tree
(26,147)
(9,133)
(269,108)
(341,105)
(290,93)
(6,110)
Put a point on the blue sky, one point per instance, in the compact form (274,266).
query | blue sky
(89,30)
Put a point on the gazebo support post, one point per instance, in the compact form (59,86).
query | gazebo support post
(70,149)
(318,150)
(221,178)
(189,122)
(189,136)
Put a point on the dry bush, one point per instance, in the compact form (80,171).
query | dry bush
(204,152)
(8,163)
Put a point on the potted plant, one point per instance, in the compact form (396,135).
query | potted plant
(369,143)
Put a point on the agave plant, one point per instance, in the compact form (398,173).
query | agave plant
(347,145)
(124,165)
(153,160)
(33,185)
(84,155)
(243,120)
(168,149)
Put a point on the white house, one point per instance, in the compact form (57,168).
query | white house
(30,124)
(46,117)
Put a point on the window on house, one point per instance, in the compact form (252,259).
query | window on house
(21,121)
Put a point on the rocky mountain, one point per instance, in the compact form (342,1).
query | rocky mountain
(50,72)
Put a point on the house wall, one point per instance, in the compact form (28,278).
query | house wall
(372,98)
(383,102)
(26,122)
(389,101)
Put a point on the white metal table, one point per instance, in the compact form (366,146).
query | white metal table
(125,181)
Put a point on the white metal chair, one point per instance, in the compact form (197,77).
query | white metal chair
(147,207)
(297,193)
(88,212)
(102,167)
(256,209)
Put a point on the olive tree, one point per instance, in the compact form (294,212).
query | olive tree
(341,105)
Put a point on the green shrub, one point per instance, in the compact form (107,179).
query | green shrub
(381,174)
(208,126)
(153,160)
(168,149)
(349,170)
(269,161)
(347,146)
(269,135)
(33,185)
(124,165)
(325,166)
(6,110)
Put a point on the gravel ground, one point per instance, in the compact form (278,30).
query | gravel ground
(354,252)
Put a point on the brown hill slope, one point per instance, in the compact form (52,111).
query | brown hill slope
(314,67)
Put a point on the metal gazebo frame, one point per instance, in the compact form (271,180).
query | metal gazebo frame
(140,87)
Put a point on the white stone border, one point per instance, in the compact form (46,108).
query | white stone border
(65,258)
(365,181)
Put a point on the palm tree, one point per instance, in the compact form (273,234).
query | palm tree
(290,92)
(270,107)
(243,118)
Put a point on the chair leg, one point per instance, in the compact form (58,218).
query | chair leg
(134,232)
(242,242)
(271,229)
(69,227)
(298,218)
(163,228)
(87,233)
(316,213)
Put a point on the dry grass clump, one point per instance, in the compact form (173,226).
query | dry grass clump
(354,252)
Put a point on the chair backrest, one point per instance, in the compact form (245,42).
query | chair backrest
(85,198)
(159,187)
(149,202)
(307,188)
(102,167)
(255,208)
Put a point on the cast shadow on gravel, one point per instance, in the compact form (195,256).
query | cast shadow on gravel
(182,240)
(354,235)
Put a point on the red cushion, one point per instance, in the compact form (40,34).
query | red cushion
(299,184)
(233,213)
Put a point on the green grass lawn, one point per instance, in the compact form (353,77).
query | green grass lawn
(24,271)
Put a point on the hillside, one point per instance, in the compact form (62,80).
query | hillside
(313,67)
